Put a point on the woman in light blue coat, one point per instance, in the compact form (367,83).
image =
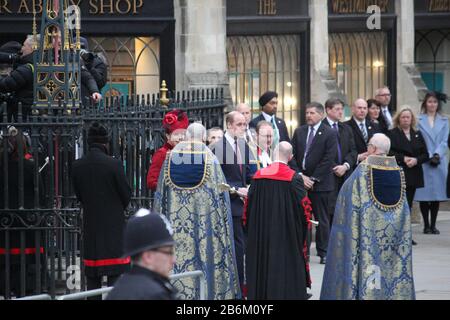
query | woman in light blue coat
(435,130)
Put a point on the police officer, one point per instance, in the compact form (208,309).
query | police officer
(148,240)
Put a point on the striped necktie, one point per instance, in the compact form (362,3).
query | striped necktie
(364,131)
(276,132)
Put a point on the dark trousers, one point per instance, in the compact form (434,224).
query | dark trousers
(239,247)
(96,283)
(410,192)
(433,208)
(320,201)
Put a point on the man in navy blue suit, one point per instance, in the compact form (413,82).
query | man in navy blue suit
(315,151)
(238,165)
(269,103)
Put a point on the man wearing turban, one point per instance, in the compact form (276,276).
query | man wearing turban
(269,102)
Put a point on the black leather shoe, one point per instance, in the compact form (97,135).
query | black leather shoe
(308,296)
(323,260)
(435,231)
(414,243)
(427,230)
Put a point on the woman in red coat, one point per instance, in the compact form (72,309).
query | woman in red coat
(175,124)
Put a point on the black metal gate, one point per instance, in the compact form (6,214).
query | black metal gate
(40,220)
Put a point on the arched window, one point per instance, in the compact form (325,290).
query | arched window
(358,62)
(260,63)
(432,57)
(133,63)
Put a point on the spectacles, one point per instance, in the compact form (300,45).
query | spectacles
(169,253)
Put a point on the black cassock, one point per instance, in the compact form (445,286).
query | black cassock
(277,229)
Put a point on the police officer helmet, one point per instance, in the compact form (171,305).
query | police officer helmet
(146,231)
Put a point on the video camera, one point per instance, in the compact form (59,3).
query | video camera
(87,56)
(9,58)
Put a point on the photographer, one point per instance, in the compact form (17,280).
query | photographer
(9,55)
(96,68)
(20,81)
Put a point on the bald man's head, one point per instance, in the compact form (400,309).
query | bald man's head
(360,109)
(283,152)
(245,110)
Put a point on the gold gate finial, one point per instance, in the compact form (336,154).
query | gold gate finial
(163,94)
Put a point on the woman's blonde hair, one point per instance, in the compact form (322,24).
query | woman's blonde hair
(399,113)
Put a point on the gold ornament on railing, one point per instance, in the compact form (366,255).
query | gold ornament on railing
(163,100)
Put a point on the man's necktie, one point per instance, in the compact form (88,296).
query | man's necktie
(310,139)
(386,117)
(248,136)
(276,133)
(364,131)
(336,127)
(237,154)
(308,145)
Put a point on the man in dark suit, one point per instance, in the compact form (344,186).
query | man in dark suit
(362,128)
(246,111)
(238,166)
(315,151)
(346,148)
(269,102)
(383,95)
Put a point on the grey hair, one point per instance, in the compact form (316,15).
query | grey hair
(381,142)
(30,37)
(196,131)
(378,91)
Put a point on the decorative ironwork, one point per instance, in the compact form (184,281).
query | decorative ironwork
(260,63)
(358,62)
(50,216)
(51,60)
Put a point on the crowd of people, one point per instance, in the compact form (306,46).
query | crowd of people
(239,204)
(17,75)
(241,201)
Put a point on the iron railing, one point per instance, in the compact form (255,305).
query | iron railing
(93,293)
(40,220)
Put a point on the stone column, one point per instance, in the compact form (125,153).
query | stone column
(323,85)
(200,34)
(410,86)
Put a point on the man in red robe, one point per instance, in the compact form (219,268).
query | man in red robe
(277,229)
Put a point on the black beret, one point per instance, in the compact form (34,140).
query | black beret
(98,133)
(266,97)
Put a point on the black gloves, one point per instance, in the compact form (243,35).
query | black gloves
(435,160)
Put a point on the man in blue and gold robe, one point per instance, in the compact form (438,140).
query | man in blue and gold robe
(370,251)
(189,196)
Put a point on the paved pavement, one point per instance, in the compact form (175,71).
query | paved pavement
(431,263)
